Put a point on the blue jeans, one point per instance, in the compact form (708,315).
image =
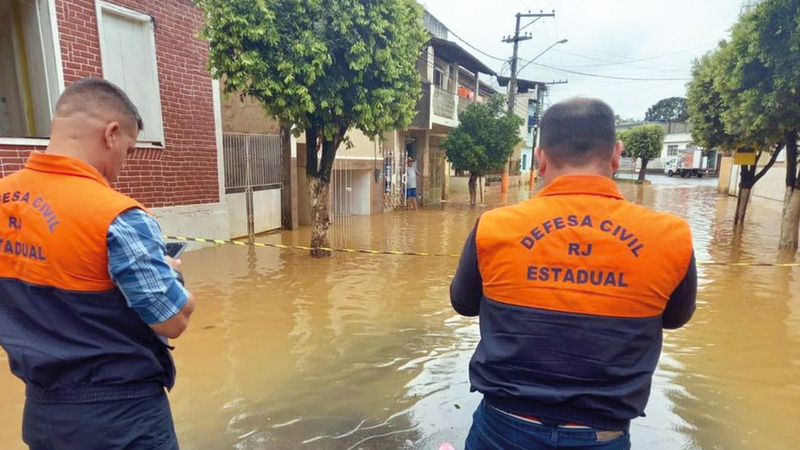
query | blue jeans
(134,424)
(496,430)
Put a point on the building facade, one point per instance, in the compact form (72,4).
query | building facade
(150,49)
(450,83)
(370,177)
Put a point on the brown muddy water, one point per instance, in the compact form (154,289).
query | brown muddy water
(361,351)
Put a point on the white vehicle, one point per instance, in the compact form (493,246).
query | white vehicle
(688,165)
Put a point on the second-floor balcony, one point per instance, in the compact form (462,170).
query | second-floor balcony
(440,66)
(463,103)
(444,105)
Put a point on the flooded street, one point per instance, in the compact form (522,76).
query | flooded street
(363,351)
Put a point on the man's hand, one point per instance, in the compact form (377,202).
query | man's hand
(176,325)
(176,265)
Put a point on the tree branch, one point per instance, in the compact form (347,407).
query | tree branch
(769,164)
(311,152)
(329,153)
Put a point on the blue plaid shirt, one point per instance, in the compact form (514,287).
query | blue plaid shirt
(137,265)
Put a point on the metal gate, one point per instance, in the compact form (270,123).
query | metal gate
(436,172)
(341,198)
(394,189)
(253,162)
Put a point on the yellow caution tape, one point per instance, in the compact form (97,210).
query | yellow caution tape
(398,253)
(302,247)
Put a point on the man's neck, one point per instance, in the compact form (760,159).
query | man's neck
(553,173)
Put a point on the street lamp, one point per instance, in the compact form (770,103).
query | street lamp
(563,41)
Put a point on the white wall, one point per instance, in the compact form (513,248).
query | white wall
(733,184)
(361,186)
(266,212)
(772,186)
(682,140)
(206,221)
(356,200)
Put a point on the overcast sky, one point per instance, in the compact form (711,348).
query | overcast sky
(650,39)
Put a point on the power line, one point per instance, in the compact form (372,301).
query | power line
(610,77)
(475,48)
(599,51)
(635,60)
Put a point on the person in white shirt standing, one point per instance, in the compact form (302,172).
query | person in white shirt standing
(411,184)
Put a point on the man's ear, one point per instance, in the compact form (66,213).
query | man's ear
(111,134)
(619,147)
(541,156)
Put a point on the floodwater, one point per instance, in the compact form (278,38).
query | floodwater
(362,351)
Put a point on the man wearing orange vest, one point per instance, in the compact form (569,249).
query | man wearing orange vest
(573,289)
(87,296)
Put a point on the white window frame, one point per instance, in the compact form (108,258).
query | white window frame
(56,46)
(37,141)
(672,150)
(100,7)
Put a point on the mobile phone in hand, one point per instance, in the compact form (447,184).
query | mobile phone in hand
(174,249)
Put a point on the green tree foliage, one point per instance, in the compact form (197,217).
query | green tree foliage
(322,67)
(743,95)
(705,107)
(644,142)
(775,33)
(666,110)
(745,84)
(484,139)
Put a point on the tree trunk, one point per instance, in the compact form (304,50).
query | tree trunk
(741,207)
(790,220)
(473,180)
(642,170)
(746,183)
(321,152)
(319,191)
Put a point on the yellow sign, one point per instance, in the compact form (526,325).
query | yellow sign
(744,157)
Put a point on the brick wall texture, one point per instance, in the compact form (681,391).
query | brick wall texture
(185,171)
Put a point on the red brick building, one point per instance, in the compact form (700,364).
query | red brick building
(149,48)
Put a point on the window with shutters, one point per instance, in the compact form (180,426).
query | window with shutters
(128,54)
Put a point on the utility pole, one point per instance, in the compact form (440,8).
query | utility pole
(541,91)
(512,84)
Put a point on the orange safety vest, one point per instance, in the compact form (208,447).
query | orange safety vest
(579,248)
(54,227)
(575,282)
(68,330)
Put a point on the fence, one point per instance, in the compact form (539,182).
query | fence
(252,163)
(261,153)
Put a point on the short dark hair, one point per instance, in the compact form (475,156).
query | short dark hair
(97,91)
(578,131)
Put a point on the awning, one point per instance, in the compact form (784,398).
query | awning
(451,52)
(523,86)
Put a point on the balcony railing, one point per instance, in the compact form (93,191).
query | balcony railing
(463,103)
(444,103)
